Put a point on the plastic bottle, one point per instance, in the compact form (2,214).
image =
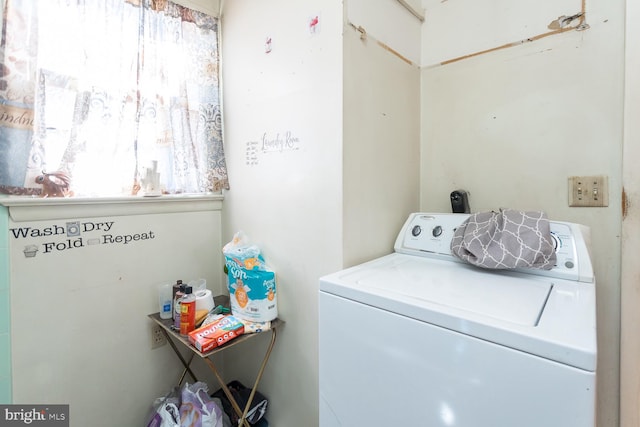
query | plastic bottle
(165,302)
(187,311)
(176,307)
(176,289)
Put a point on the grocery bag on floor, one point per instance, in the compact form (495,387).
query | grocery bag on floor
(252,285)
(165,411)
(197,408)
(241,395)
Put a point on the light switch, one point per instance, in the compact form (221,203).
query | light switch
(589,191)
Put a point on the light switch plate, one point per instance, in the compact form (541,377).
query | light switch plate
(589,191)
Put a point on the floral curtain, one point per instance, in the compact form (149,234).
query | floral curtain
(111,94)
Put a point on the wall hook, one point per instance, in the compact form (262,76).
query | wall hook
(363,33)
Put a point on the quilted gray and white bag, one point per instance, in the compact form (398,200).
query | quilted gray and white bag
(506,239)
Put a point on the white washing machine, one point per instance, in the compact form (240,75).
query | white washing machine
(419,338)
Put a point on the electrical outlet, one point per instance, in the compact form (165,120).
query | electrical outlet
(589,191)
(158,339)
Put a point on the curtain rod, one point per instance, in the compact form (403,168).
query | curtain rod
(413,11)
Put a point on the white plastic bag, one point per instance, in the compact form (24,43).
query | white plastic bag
(197,408)
(165,412)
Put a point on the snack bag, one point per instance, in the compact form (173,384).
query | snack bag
(252,286)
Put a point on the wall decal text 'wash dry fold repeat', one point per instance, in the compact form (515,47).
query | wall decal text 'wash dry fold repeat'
(74,235)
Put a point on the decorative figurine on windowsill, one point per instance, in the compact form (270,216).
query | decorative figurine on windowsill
(151,181)
(54,184)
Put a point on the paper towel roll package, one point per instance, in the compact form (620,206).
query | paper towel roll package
(252,294)
(251,284)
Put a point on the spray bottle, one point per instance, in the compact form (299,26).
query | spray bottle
(187,311)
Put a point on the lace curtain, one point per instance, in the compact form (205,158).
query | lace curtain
(111,93)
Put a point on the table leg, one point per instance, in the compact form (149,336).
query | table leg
(259,377)
(184,371)
(227,392)
(184,363)
(240,412)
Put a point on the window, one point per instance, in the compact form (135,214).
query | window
(111,94)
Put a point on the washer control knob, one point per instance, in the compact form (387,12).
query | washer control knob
(557,243)
(416,230)
(437,231)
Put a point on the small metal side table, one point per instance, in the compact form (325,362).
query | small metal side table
(175,339)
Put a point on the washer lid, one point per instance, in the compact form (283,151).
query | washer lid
(451,286)
(548,317)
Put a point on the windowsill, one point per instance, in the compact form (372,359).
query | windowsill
(24,208)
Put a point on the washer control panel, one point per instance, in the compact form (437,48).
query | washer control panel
(430,235)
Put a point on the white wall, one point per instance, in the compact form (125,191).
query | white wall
(511,125)
(339,193)
(388,21)
(458,28)
(288,198)
(79,328)
(381,146)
